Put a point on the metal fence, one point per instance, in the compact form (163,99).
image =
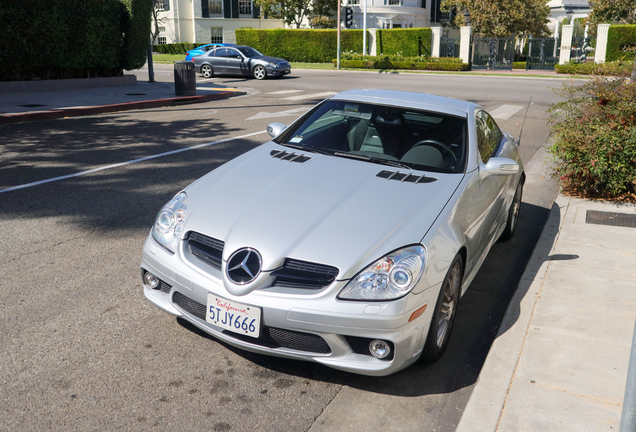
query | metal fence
(448,47)
(543,53)
(581,51)
(493,53)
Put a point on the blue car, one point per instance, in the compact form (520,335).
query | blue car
(203,49)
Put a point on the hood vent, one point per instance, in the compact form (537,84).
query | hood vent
(290,157)
(405,177)
(304,275)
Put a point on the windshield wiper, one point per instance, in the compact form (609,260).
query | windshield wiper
(310,149)
(378,160)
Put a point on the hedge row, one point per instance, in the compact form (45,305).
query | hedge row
(307,46)
(615,68)
(382,63)
(621,42)
(176,48)
(72,38)
(320,46)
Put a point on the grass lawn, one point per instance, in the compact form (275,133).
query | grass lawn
(167,58)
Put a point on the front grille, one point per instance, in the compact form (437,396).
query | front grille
(207,249)
(164,287)
(360,345)
(270,337)
(304,275)
(283,64)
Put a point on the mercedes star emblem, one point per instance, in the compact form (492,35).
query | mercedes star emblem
(244,266)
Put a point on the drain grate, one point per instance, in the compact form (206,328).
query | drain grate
(610,218)
(31,105)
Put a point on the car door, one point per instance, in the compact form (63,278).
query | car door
(234,62)
(219,61)
(493,187)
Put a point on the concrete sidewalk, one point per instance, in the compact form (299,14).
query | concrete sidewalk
(560,360)
(62,98)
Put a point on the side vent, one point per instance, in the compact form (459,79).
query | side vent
(290,157)
(405,177)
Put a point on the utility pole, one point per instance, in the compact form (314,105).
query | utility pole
(151,70)
(338,24)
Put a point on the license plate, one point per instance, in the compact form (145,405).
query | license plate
(233,316)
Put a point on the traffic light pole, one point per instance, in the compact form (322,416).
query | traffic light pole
(338,24)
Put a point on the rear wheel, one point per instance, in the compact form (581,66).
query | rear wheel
(445,311)
(259,72)
(513,214)
(206,71)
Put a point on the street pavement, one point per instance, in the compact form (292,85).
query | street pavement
(560,360)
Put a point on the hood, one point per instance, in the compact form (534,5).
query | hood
(326,210)
(270,59)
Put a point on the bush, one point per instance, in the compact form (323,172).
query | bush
(594,134)
(175,48)
(407,42)
(306,46)
(621,42)
(616,68)
(397,62)
(519,65)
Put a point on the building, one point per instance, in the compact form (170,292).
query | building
(559,12)
(208,21)
(387,14)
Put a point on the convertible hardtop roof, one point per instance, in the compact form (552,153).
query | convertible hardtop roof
(408,99)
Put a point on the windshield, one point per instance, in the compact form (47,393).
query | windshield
(396,136)
(249,52)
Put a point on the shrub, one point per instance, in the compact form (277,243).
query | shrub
(621,42)
(594,132)
(407,42)
(175,48)
(352,60)
(519,65)
(616,68)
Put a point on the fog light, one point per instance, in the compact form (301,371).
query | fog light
(151,280)
(379,349)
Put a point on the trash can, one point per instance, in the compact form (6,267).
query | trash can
(185,81)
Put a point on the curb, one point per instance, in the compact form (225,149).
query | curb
(488,399)
(127,106)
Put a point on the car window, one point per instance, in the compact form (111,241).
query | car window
(383,134)
(249,52)
(232,53)
(221,52)
(208,48)
(489,135)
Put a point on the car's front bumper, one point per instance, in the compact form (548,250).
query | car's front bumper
(310,321)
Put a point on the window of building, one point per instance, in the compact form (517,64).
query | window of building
(161,40)
(159,6)
(245,9)
(393,2)
(215,8)
(216,35)
(354,2)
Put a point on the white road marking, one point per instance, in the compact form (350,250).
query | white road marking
(285,92)
(292,112)
(310,96)
(504,112)
(117,165)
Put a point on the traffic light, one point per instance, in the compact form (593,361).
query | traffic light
(348,17)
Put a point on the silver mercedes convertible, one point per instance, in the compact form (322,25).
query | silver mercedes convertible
(348,238)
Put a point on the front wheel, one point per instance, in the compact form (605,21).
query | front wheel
(445,311)
(206,71)
(513,214)
(259,72)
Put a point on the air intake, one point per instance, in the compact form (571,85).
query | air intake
(304,275)
(290,157)
(405,177)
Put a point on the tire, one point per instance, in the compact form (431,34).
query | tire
(206,71)
(513,214)
(445,311)
(259,72)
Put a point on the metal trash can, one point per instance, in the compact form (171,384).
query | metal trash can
(185,81)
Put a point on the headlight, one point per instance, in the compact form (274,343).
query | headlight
(389,278)
(169,222)
(274,65)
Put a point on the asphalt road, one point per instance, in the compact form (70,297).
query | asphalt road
(83,350)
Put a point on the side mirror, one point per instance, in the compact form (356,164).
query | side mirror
(499,166)
(275,129)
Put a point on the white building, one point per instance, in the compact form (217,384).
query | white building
(389,14)
(208,21)
(559,9)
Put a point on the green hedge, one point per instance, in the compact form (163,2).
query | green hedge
(306,46)
(175,48)
(519,65)
(616,68)
(406,42)
(620,37)
(56,39)
(385,63)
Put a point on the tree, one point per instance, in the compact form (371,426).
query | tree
(501,18)
(293,12)
(158,6)
(612,12)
